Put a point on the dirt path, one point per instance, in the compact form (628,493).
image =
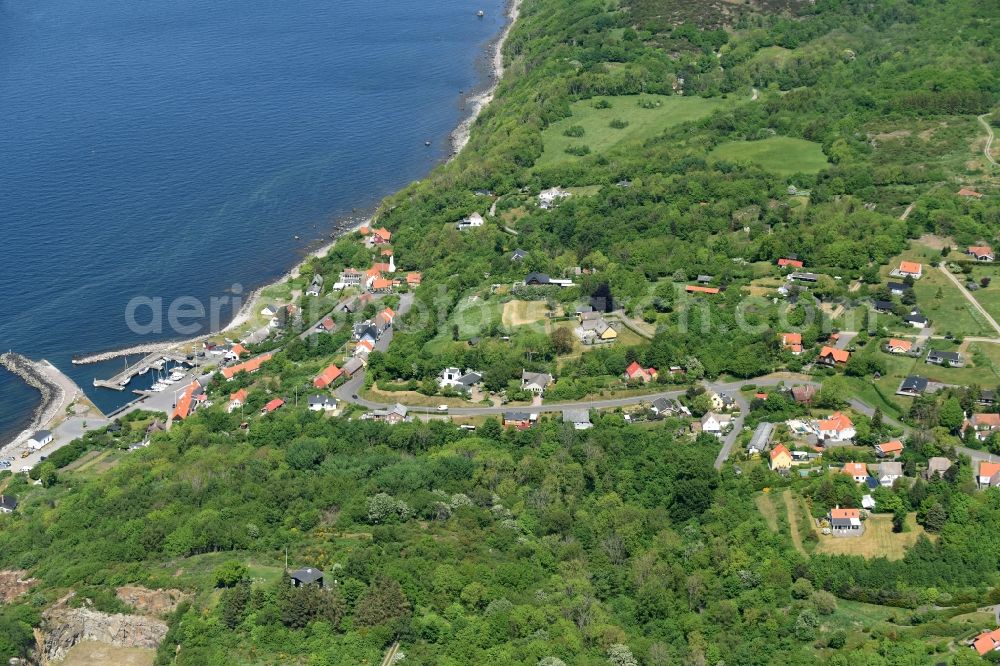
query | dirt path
(765,504)
(390,656)
(965,292)
(989,138)
(793,524)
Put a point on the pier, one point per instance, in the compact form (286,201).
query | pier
(122,379)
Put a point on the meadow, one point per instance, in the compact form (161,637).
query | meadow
(643,123)
(783,155)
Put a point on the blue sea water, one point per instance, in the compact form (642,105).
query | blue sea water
(172,148)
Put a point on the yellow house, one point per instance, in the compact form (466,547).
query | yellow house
(781,458)
(606,332)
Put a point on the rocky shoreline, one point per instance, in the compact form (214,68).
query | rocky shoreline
(478,101)
(34,375)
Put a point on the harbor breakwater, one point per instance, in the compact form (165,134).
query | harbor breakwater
(38,375)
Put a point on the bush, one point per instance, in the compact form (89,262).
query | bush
(575,131)
(230,574)
(579,151)
(618,123)
(602,104)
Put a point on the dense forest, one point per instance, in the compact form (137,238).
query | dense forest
(621,544)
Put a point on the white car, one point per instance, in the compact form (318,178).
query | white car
(442,408)
(25,469)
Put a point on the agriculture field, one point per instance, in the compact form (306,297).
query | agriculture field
(781,154)
(643,123)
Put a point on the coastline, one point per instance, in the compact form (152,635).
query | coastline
(46,413)
(478,101)
(46,379)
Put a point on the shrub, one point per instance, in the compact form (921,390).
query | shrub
(579,151)
(618,123)
(575,131)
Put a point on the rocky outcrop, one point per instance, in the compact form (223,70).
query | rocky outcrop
(14,583)
(64,627)
(155,603)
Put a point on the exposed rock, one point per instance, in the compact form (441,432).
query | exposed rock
(65,627)
(14,583)
(156,603)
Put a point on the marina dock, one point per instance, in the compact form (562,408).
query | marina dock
(122,379)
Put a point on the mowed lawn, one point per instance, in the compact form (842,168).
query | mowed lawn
(938,297)
(643,123)
(783,155)
(878,540)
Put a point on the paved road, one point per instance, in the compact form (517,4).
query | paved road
(965,292)
(989,138)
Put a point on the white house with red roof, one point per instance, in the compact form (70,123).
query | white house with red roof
(792,342)
(855,470)
(237,400)
(838,428)
(911,269)
(988,475)
(983,424)
(981,252)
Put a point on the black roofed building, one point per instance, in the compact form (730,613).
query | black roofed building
(308,576)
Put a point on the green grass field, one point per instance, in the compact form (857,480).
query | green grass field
(938,297)
(781,154)
(878,539)
(643,123)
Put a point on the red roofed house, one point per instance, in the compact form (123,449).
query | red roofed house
(237,400)
(898,346)
(966,192)
(838,427)
(845,522)
(855,470)
(981,252)
(381,235)
(792,342)
(327,377)
(636,371)
(189,401)
(893,448)
(698,289)
(380,285)
(781,458)
(413,279)
(364,230)
(989,474)
(790,263)
(364,347)
(235,352)
(983,424)
(251,366)
(986,642)
(327,324)
(911,269)
(833,356)
(273,406)
(386,252)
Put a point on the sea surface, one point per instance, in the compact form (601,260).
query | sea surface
(170,148)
